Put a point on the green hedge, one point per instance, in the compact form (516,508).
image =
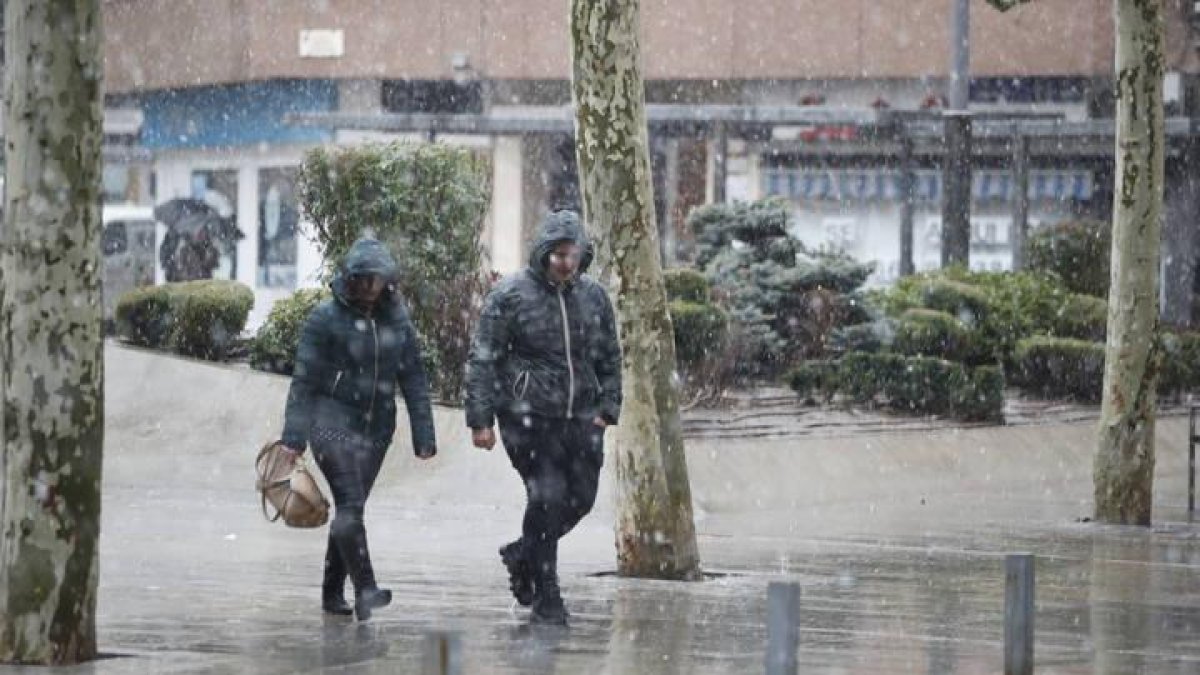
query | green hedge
(925,385)
(196,318)
(863,377)
(1061,367)
(815,379)
(917,384)
(981,398)
(998,309)
(1080,316)
(209,316)
(929,332)
(686,285)
(862,337)
(274,347)
(700,331)
(143,316)
(960,299)
(1076,251)
(1180,362)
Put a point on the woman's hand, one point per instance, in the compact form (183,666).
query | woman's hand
(483,438)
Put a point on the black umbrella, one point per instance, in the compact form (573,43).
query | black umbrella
(190,216)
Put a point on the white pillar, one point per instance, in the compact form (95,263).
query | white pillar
(247,222)
(506,205)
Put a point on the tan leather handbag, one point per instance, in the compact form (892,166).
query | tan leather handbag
(290,488)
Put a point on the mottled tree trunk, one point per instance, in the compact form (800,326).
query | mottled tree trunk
(655,533)
(1124,464)
(51,345)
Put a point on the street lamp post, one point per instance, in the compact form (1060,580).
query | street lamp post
(956,198)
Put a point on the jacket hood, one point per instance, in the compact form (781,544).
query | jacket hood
(366,256)
(555,228)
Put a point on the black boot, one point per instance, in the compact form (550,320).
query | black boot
(333,587)
(369,599)
(548,605)
(351,538)
(520,577)
(336,606)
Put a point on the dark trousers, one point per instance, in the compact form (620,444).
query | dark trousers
(559,461)
(350,463)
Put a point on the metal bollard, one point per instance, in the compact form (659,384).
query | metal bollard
(1018,614)
(442,654)
(783,628)
(1192,460)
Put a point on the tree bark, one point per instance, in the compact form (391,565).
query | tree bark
(51,344)
(656,535)
(1124,466)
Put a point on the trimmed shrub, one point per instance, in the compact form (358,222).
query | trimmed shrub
(815,379)
(981,398)
(208,316)
(964,301)
(1061,367)
(1076,251)
(274,347)
(862,337)
(1008,307)
(1083,317)
(427,203)
(1179,370)
(864,377)
(196,318)
(929,332)
(700,331)
(925,384)
(917,384)
(143,316)
(686,285)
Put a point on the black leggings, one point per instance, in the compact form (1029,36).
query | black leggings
(559,460)
(350,463)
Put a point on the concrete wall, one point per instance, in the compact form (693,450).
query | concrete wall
(156,44)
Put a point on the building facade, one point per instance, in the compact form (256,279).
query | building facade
(832,105)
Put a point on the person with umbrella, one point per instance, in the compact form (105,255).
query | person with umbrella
(191,249)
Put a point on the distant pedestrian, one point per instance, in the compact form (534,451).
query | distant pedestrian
(355,349)
(546,364)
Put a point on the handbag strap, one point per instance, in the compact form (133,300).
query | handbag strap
(263,486)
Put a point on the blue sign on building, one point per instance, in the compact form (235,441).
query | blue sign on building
(234,115)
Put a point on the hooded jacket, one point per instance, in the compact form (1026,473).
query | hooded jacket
(543,348)
(349,362)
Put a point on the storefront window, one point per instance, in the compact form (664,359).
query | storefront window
(278,219)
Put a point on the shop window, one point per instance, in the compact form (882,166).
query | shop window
(278,221)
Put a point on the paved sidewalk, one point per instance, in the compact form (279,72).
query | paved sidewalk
(897,539)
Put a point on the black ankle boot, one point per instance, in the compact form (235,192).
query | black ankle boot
(369,599)
(336,604)
(548,605)
(520,577)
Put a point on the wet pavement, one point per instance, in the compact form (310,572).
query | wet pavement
(897,540)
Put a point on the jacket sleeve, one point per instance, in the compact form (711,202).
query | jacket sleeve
(414,384)
(608,365)
(488,347)
(306,381)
